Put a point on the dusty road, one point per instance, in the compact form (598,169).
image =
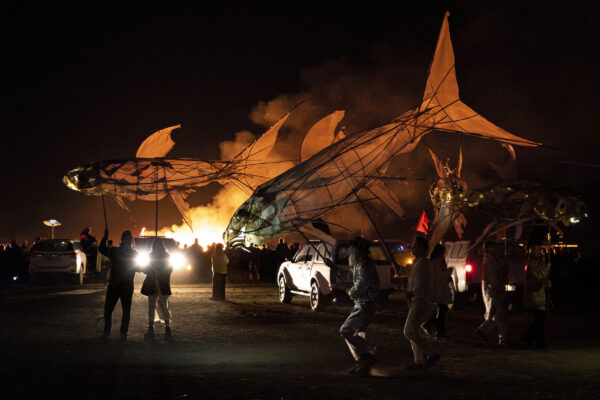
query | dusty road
(253,347)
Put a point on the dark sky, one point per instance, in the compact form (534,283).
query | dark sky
(85,83)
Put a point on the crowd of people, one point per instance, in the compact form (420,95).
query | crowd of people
(246,264)
(427,294)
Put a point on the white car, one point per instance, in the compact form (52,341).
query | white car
(321,271)
(57,256)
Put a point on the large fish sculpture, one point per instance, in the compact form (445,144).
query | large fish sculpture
(151,176)
(352,168)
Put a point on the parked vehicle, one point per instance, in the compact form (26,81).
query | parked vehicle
(321,271)
(467,265)
(57,256)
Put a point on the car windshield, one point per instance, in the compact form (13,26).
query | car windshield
(376,254)
(53,245)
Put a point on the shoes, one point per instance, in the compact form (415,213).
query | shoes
(168,335)
(502,343)
(149,335)
(527,340)
(431,361)
(482,336)
(123,336)
(105,335)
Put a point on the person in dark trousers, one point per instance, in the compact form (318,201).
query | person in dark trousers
(535,296)
(493,283)
(120,283)
(420,309)
(365,293)
(441,294)
(157,286)
(219,261)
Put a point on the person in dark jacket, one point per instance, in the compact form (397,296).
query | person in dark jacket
(535,296)
(120,284)
(365,293)
(157,286)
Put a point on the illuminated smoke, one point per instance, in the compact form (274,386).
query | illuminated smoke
(371,95)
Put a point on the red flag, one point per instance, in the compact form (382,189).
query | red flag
(423,224)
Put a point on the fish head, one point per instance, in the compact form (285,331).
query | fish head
(82,179)
(255,221)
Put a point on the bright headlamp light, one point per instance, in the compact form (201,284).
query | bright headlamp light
(142,260)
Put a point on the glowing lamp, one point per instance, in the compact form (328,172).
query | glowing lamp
(177,260)
(468,268)
(142,260)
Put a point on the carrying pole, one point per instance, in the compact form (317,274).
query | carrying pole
(104,211)
(383,244)
(156,211)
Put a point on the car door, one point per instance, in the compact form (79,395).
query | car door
(295,268)
(304,268)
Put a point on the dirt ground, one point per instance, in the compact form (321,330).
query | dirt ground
(253,347)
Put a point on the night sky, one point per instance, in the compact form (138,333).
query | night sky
(84,83)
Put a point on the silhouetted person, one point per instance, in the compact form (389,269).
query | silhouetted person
(365,293)
(194,254)
(254,263)
(535,296)
(89,244)
(493,291)
(420,309)
(441,294)
(219,263)
(120,283)
(157,286)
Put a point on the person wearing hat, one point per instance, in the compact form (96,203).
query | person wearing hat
(120,284)
(365,293)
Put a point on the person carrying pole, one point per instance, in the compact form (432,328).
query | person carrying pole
(120,283)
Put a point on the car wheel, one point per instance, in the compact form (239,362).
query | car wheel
(285,296)
(318,301)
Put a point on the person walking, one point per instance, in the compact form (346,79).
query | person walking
(535,296)
(441,294)
(420,309)
(157,286)
(254,264)
(120,282)
(493,291)
(365,293)
(219,261)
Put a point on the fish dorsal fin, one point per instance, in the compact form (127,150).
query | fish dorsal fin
(321,135)
(158,144)
(442,86)
(260,149)
(441,102)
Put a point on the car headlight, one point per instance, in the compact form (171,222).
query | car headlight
(177,260)
(142,260)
